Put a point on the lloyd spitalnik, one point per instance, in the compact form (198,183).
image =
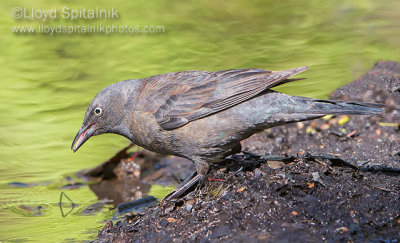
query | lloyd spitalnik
(66,13)
(83,13)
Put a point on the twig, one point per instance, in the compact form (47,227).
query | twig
(73,205)
(383,189)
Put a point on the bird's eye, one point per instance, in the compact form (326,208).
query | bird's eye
(97,111)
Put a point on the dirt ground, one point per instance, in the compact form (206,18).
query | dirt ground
(332,179)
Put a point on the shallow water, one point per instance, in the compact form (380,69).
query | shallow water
(47,81)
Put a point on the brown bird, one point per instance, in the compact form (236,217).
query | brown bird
(203,116)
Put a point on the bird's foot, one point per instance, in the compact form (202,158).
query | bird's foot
(196,180)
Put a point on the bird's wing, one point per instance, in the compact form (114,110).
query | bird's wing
(179,98)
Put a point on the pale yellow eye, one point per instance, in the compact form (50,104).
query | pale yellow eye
(97,111)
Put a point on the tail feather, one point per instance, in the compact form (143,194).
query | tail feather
(345,108)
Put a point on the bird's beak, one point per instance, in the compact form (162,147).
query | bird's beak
(83,135)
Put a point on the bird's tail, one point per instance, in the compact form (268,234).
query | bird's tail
(276,109)
(344,107)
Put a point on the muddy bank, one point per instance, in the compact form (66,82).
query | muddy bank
(332,179)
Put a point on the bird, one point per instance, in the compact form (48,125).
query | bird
(203,116)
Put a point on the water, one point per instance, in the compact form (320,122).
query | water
(47,81)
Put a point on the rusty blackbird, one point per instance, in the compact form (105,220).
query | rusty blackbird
(203,116)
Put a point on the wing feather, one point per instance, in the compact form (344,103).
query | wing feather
(179,98)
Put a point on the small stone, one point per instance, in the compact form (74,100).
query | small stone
(241,189)
(343,119)
(275,164)
(163,223)
(189,205)
(258,173)
(342,229)
(327,117)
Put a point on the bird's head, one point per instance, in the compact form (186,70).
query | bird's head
(105,114)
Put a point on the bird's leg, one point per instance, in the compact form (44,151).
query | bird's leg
(202,167)
(190,182)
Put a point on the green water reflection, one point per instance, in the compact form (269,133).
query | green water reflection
(48,80)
